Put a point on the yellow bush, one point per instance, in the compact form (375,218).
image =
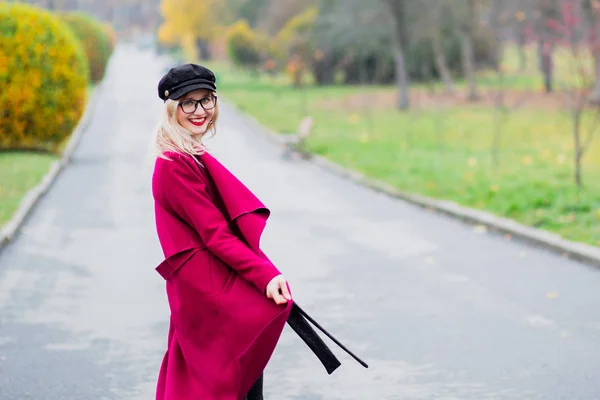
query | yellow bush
(243,44)
(95,40)
(296,38)
(167,35)
(112,36)
(43,78)
(299,27)
(188,45)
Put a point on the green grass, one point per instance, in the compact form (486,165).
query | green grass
(441,152)
(19,172)
(22,171)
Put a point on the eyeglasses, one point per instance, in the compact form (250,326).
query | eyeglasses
(190,106)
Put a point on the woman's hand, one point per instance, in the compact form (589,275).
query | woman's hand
(277,290)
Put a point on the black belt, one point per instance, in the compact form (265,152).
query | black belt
(298,322)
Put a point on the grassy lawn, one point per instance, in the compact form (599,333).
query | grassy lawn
(442,147)
(19,172)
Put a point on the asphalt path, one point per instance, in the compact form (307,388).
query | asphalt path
(439,310)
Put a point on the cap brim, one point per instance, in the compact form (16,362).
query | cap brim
(185,90)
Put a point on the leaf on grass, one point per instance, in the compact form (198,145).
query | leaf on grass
(480,229)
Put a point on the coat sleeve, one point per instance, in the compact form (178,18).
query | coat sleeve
(183,191)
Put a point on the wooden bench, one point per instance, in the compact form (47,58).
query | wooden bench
(296,143)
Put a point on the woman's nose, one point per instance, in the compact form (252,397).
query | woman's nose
(200,111)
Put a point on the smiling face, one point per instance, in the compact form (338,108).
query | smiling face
(197,122)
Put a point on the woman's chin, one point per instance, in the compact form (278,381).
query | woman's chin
(196,131)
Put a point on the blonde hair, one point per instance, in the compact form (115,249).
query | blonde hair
(169,135)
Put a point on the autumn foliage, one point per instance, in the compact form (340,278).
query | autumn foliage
(243,45)
(187,22)
(95,39)
(112,37)
(43,76)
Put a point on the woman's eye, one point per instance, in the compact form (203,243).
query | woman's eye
(187,103)
(205,100)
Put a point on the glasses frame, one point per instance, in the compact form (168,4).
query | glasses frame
(196,103)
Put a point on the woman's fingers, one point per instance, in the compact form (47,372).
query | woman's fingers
(278,291)
(276,296)
(284,290)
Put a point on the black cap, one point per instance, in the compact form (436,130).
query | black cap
(183,79)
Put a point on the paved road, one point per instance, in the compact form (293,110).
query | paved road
(439,311)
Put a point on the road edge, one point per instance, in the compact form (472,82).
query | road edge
(540,238)
(10,229)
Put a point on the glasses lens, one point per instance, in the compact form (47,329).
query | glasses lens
(208,102)
(188,106)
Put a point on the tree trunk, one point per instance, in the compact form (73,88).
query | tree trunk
(324,70)
(467,54)
(578,148)
(496,25)
(402,102)
(203,49)
(440,63)
(545,61)
(521,51)
(466,48)
(400,43)
(595,94)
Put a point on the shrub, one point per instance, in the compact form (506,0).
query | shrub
(421,65)
(297,33)
(43,78)
(96,42)
(244,45)
(112,37)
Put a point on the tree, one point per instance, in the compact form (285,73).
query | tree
(243,45)
(249,10)
(591,12)
(548,14)
(398,13)
(430,27)
(296,37)
(195,19)
(522,13)
(279,12)
(465,12)
(585,122)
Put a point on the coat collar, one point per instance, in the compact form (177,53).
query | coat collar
(238,199)
(247,212)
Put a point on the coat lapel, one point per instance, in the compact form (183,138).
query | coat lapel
(243,207)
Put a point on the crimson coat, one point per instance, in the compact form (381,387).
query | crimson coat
(223,328)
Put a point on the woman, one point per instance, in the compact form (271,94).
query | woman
(228,302)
